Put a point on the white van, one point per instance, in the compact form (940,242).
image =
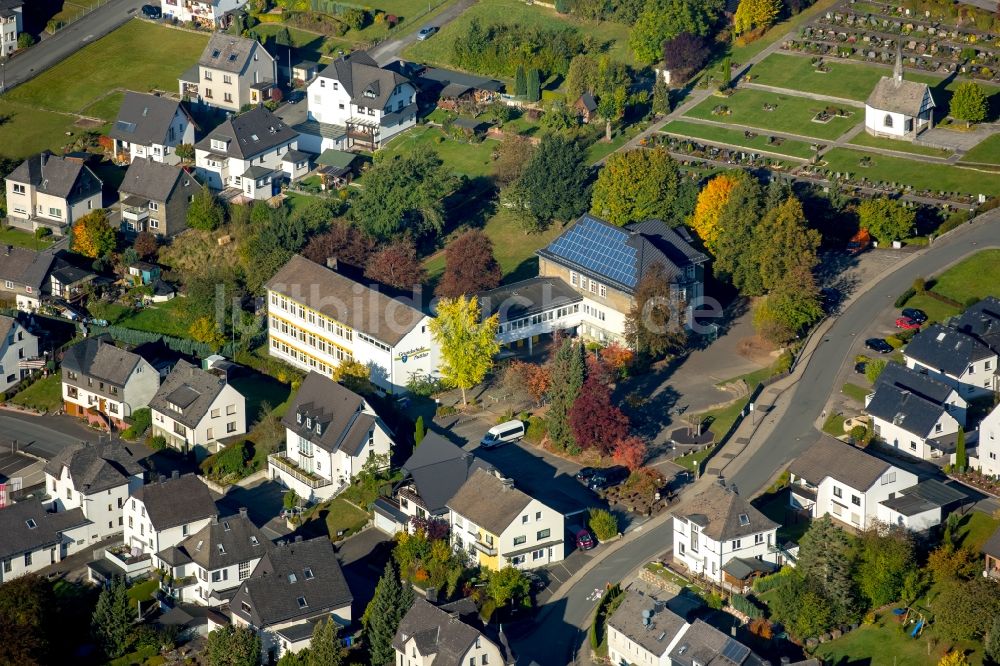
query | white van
(511,431)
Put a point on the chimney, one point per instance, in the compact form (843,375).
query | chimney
(175,474)
(215,519)
(331,263)
(243,512)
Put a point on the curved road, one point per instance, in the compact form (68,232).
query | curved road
(43,436)
(560,629)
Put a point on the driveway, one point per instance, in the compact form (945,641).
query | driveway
(391,50)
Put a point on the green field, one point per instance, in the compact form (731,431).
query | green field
(732,137)
(792,114)
(44,395)
(466,159)
(986,151)
(867,140)
(935,310)
(170,318)
(921,175)
(976,277)
(25,131)
(138,56)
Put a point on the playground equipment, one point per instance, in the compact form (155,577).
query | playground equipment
(918,620)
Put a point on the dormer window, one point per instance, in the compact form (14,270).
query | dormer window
(302,602)
(292,578)
(225,526)
(222,549)
(218,144)
(319,428)
(309,423)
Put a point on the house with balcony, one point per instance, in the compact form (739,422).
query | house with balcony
(354,103)
(956,358)
(11,25)
(106,384)
(293,587)
(207,567)
(430,478)
(69,283)
(498,525)
(24,274)
(532,309)
(250,155)
(96,479)
(211,14)
(194,409)
(164,513)
(150,126)
(722,537)
(51,191)
(330,433)
(34,537)
(445,636)
(155,197)
(18,352)
(231,73)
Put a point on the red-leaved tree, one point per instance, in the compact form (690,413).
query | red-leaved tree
(532,378)
(594,421)
(617,357)
(469,266)
(630,451)
(145,244)
(342,241)
(396,265)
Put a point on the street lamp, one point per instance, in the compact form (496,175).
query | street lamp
(3,74)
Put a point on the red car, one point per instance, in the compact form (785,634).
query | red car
(583,540)
(907,323)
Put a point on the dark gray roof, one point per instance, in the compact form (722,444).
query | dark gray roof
(435,78)
(368,84)
(296,156)
(945,349)
(982,321)
(155,181)
(287,576)
(437,632)
(257,171)
(299,632)
(7,7)
(829,457)
(329,415)
(225,542)
(249,134)
(227,52)
(992,545)
(705,645)
(96,467)
(176,501)
(63,177)
(742,568)
(191,389)
(898,96)
(6,325)
(914,381)
(438,469)
(588,102)
(527,297)
(27,526)
(144,118)
(97,357)
(25,267)
(489,501)
(904,409)
(926,495)
(663,625)
(724,515)
(67,275)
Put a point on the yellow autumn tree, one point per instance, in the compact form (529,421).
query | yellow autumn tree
(203,329)
(93,235)
(711,200)
(636,185)
(954,658)
(755,15)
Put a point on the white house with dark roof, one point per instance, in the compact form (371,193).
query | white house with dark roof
(252,153)
(207,567)
(231,73)
(361,104)
(194,409)
(97,479)
(150,126)
(17,347)
(499,525)
(23,275)
(51,191)
(440,636)
(104,383)
(330,433)
(723,537)
(318,317)
(899,109)
(955,358)
(164,513)
(155,197)
(34,538)
(206,13)
(11,25)
(988,447)
(293,586)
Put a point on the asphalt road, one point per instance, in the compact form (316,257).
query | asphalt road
(55,48)
(390,50)
(43,436)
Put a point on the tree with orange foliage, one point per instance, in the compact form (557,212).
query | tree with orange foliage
(712,199)
(617,357)
(93,235)
(531,378)
(762,628)
(630,451)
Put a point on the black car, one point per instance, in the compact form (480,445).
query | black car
(913,314)
(879,345)
(585,474)
(608,477)
(860,367)
(151,11)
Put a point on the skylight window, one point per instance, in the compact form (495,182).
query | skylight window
(308,573)
(292,578)
(225,525)
(254,541)
(200,544)
(30,522)
(254,137)
(302,602)
(232,57)
(744,520)
(222,549)
(216,53)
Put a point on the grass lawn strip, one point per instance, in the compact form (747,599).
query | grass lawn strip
(741,54)
(867,140)
(935,310)
(975,277)
(735,138)
(44,395)
(791,115)
(28,130)
(343,519)
(986,151)
(18,238)
(856,392)
(466,159)
(922,176)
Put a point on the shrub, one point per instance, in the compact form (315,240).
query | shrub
(230,461)
(894,341)
(603,524)
(424,386)
(904,297)
(715,601)
(141,420)
(158,443)
(768,583)
(537,429)
(444,410)
(42,232)
(956,220)
(745,606)
(920,285)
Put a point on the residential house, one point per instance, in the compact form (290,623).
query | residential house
(211,14)
(17,347)
(702,643)
(429,634)
(720,527)
(207,567)
(155,197)
(150,126)
(34,538)
(23,275)
(916,413)
(532,308)
(104,383)
(319,317)
(899,109)
(97,479)
(331,433)
(430,478)
(69,283)
(982,321)
(11,25)
(371,105)
(253,153)
(166,512)
(585,107)
(194,409)
(295,585)
(923,506)
(955,358)
(987,457)
(231,73)
(51,191)
(991,550)
(499,525)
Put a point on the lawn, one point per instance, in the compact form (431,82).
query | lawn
(736,138)
(105,108)
(466,159)
(18,238)
(975,277)
(143,591)
(170,318)
(258,389)
(884,644)
(986,151)
(922,176)
(741,54)
(137,56)
(44,395)
(791,114)
(74,10)
(25,130)
(437,49)
(724,417)
(935,310)
(855,392)
(343,519)
(974,529)
(869,141)
(775,506)
(834,425)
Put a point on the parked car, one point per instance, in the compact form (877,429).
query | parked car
(608,477)
(907,324)
(584,540)
(152,12)
(916,315)
(585,474)
(860,367)
(511,431)
(878,345)
(426,32)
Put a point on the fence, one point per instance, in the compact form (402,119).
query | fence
(56,24)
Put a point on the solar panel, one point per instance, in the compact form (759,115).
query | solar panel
(599,248)
(735,651)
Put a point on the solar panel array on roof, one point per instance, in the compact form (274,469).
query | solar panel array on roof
(734,651)
(598,248)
